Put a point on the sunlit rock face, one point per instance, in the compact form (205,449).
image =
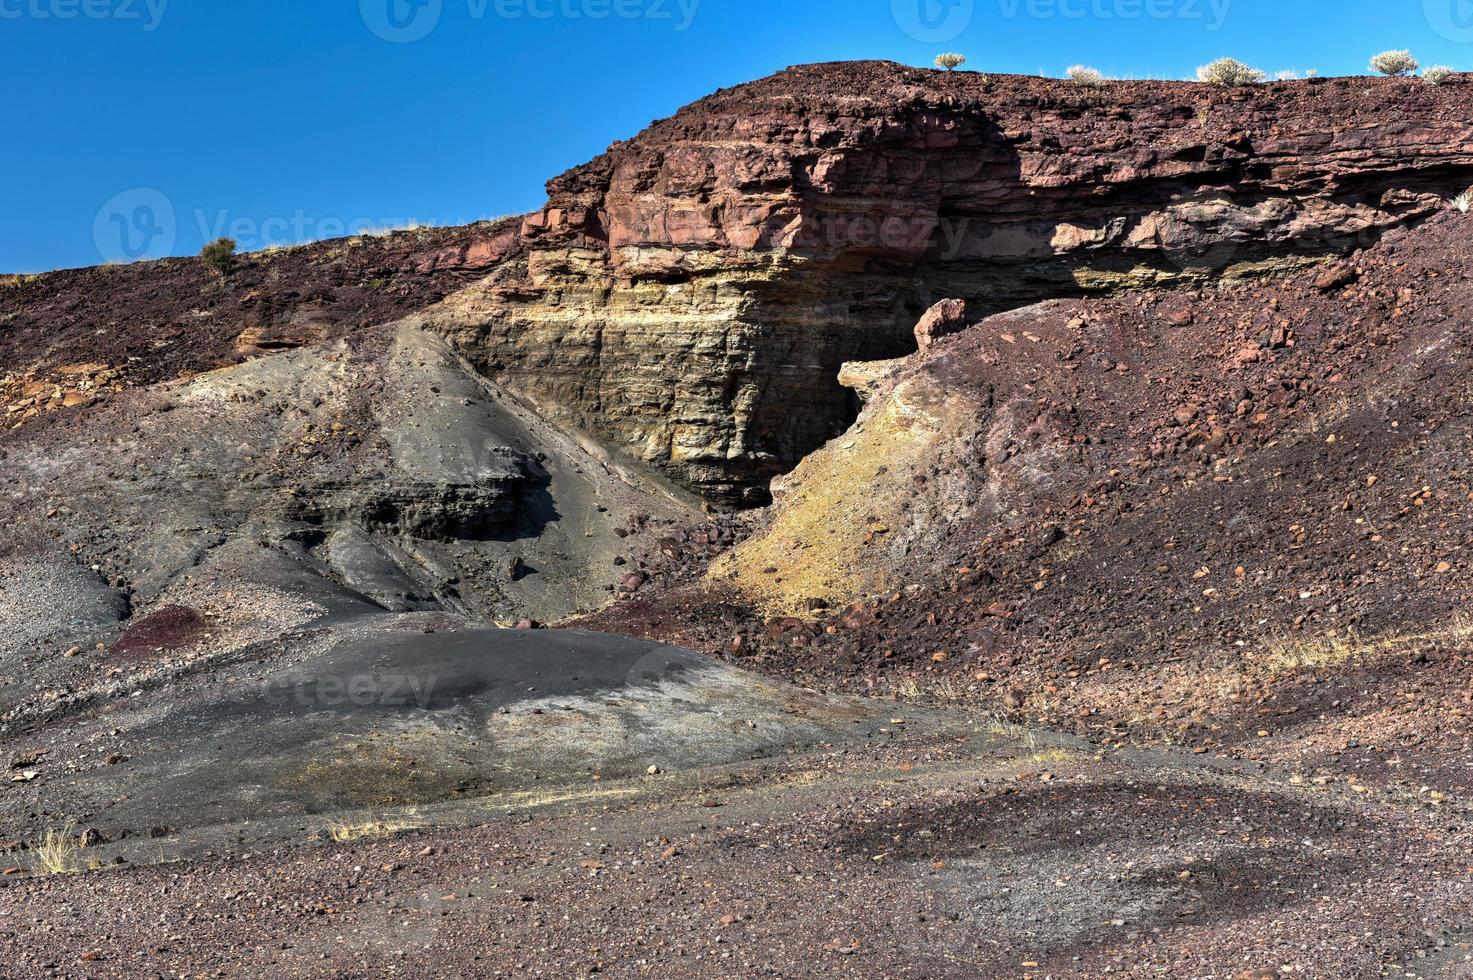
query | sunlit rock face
(693,292)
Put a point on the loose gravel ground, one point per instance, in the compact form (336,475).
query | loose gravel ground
(935,858)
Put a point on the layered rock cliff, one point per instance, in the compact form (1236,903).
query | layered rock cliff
(692,293)
(1180,511)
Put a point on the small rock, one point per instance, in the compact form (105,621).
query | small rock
(1334,277)
(947,317)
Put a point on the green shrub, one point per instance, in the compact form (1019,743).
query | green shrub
(219,255)
(950,61)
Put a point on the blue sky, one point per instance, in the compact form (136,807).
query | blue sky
(145,127)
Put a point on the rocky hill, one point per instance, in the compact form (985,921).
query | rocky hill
(1179,510)
(1060,495)
(685,290)
(680,293)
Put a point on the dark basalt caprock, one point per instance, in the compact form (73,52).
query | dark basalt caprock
(685,291)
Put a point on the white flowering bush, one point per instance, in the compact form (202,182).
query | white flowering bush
(951,61)
(1437,74)
(1395,63)
(1085,75)
(1229,71)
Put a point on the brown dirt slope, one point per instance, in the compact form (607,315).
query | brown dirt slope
(1233,517)
(154,321)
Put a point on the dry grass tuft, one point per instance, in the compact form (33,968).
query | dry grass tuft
(1044,757)
(1437,75)
(344,830)
(1002,728)
(1335,650)
(60,853)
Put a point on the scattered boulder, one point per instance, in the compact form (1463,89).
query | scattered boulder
(945,318)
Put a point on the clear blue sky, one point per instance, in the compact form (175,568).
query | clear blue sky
(147,126)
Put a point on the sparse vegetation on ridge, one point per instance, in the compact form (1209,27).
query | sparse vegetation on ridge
(1130,588)
(219,255)
(1229,72)
(1396,64)
(1085,76)
(1437,74)
(950,60)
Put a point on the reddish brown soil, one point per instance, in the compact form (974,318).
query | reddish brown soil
(1311,432)
(1242,470)
(158,320)
(171,628)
